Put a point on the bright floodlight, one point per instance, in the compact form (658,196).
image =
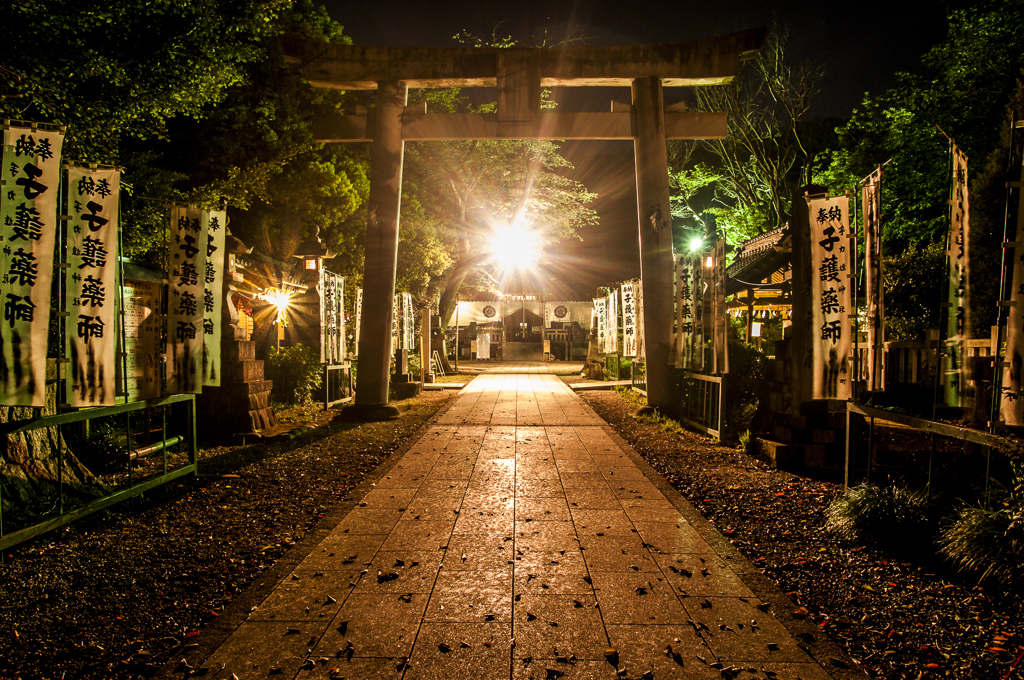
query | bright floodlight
(280,299)
(514,248)
(696,244)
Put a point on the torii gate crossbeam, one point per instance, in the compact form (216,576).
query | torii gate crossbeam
(519,74)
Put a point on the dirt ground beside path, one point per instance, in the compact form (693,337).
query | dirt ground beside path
(896,619)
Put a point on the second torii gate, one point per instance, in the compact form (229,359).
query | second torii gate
(519,74)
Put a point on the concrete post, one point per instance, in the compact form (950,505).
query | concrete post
(655,234)
(386,154)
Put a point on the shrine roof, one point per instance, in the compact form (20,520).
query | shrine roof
(759,258)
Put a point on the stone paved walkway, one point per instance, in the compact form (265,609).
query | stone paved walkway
(516,539)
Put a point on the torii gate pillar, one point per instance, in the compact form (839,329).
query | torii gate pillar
(652,197)
(387,151)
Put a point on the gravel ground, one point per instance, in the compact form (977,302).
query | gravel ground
(896,618)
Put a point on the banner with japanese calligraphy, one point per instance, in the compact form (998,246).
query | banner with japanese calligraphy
(28,231)
(612,331)
(958,259)
(91,334)
(1011,403)
(359,318)
(186,288)
(629,312)
(641,348)
(408,323)
(332,317)
(215,227)
(141,301)
(394,324)
(702,305)
(721,324)
(871,205)
(683,344)
(601,308)
(830,296)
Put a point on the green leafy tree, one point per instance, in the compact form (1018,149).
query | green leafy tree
(115,68)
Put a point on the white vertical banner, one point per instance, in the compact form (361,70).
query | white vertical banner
(958,258)
(332,317)
(701,311)
(215,227)
(29,184)
(601,308)
(187,288)
(612,331)
(628,319)
(641,347)
(871,207)
(1011,402)
(408,323)
(359,318)
(483,345)
(91,334)
(685,265)
(325,291)
(396,312)
(721,325)
(830,295)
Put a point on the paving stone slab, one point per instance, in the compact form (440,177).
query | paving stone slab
(636,598)
(260,649)
(343,551)
(419,535)
(467,651)
(735,628)
(374,625)
(542,509)
(555,573)
(400,572)
(479,596)
(705,575)
(307,595)
(549,626)
(475,552)
(369,521)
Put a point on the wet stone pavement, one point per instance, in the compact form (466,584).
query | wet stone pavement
(518,539)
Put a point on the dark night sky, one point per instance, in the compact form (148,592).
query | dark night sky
(860,46)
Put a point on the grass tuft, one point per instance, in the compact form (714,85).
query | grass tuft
(891,517)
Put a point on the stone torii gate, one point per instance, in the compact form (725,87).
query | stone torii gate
(518,74)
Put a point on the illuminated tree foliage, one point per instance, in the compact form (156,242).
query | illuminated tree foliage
(754,170)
